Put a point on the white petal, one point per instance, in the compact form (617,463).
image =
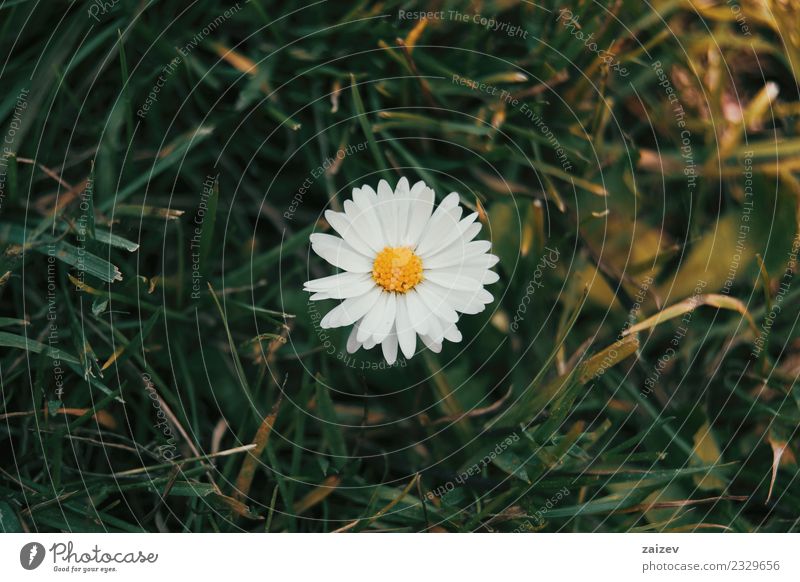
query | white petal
(469,302)
(465,231)
(365,201)
(352,343)
(421,208)
(341,224)
(402,197)
(435,329)
(471,231)
(406,336)
(351,310)
(458,282)
(387,212)
(366,224)
(333,281)
(457,253)
(480,274)
(417,188)
(418,312)
(373,318)
(441,233)
(486,261)
(443,222)
(437,301)
(387,321)
(467,222)
(339,254)
(452,334)
(384,190)
(341,286)
(433,346)
(389,346)
(490,277)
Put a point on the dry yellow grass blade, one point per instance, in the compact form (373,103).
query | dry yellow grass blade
(396,500)
(318,494)
(385,509)
(242,64)
(237,61)
(181,462)
(117,353)
(690,304)
(593,367)
(752,116)
(415,33)
(609,357)
(236,506)
(496,405)
(642,507)
(83,286)
(780,448)
(245,478)
(102,417)
(56,202)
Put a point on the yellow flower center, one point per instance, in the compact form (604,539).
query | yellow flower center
(397,269)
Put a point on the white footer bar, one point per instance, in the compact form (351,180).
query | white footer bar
(406,557)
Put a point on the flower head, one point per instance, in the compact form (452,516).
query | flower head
(409,268)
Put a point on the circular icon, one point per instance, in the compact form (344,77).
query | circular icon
(31,555)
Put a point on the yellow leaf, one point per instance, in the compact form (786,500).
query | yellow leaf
(706,452)
(710,259)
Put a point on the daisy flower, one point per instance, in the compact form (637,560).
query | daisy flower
(409,268)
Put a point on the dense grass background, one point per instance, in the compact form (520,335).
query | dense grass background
(164,163)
